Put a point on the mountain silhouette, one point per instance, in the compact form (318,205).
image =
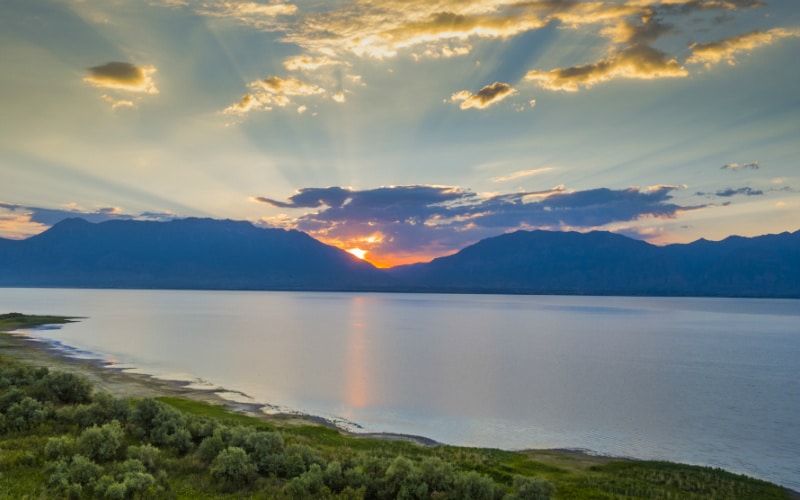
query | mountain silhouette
(184,253)
(224,254)
(603,263)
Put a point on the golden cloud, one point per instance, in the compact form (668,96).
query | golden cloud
(727,50)
(247,103)
(257,15)
(275,91)
(307,63)
(123,76)
(640,62)
(289,86)
(487,96)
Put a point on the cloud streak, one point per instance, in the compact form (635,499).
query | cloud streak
(727,50)
(735,167)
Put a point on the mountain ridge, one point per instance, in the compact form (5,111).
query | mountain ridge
(199,253)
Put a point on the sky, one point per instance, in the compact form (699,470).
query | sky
(404,130)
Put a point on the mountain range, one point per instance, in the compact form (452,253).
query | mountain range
(224,254)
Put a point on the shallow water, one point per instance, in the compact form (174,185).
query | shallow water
(703,381)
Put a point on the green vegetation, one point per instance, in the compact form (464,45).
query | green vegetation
(60,440)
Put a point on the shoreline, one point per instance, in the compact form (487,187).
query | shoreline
(122,382)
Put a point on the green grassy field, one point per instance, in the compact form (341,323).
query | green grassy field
(60,439)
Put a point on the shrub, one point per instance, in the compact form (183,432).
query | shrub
(102,443)
(266,450)
(147,454)
(63,387)
(308,485)
(531,488)
(232,467)
(473,486)
(83,471)
(159,424)
(27,414)
(59,447)
(210,447)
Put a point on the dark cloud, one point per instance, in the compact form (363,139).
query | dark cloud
(485,97)
(123,76)
(726,193)
(441,218)
(735,166)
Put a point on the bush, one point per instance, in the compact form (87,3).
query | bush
(531,488)
(159,424)
(232,467)
(266,450)
(63,387)
(211,447)
(59,447)
(102,443)
(473,486)
(147,454)
(83,471)
(27,414)
(308,485)
(402,480)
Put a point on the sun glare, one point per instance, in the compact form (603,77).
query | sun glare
(358,252)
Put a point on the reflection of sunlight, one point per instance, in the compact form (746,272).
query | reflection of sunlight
(357,390)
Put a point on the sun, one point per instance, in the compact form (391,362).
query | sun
(358,252)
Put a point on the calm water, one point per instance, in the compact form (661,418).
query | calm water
(704,381)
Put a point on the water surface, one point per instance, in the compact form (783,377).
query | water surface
(696,380)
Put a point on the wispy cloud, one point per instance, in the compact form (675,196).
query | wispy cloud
(727,50)
(736,167)
(522,173)
(747,191)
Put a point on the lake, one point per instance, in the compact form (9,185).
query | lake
(704,381)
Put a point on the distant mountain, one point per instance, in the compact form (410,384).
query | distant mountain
(185,253)
(602,263)
(223,254)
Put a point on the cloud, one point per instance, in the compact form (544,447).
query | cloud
(273,91)
(522,173)
(747,191)
(18,221)
(307,63)
(640,62)
(727,50)
(487,96)
(123,76)
(118,103)
(257,15)
(435,220)
(735,167)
